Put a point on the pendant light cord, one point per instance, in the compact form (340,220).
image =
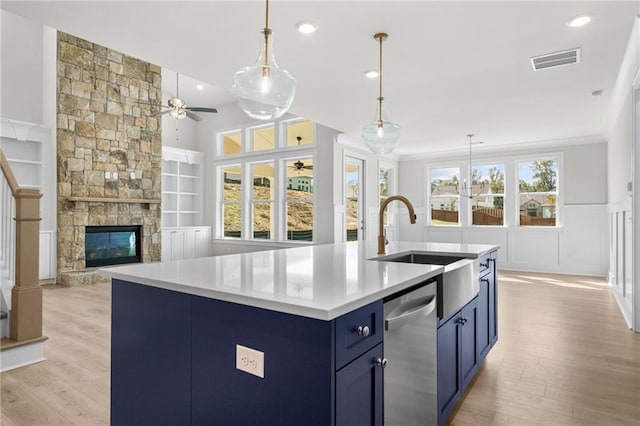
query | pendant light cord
(267,32)
(380,98)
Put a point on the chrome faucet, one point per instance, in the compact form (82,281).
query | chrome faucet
(382,241)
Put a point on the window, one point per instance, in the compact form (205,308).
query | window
(263,138)
(300,200)
(487,208)
(299,129)
(384,187)
(231,179)
(265,191)
(444,196)
(231,143)
(538,192)
(262,201)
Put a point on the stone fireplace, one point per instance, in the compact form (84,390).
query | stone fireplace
(109,151)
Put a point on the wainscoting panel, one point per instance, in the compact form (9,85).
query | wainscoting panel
(47,255)
(621,257)
(579,246)
(533,249)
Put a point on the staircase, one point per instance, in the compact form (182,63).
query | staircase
(21,342)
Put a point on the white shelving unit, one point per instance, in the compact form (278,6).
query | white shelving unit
(22,145)
(181,187)
(183,235)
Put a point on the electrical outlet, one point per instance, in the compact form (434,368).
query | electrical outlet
(250,361)
(133,174)
(107,175)
(114,175)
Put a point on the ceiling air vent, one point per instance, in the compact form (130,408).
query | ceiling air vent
(556,59)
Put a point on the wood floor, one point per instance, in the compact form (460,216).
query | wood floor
(564,357)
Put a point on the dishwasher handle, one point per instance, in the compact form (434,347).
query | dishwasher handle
(410,311)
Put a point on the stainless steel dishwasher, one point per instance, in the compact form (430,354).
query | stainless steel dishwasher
(410,352)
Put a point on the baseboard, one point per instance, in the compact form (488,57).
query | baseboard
(625,309)
(21,355)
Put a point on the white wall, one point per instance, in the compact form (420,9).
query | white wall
(28,83)
(624,167)
(578,246)
(21,80)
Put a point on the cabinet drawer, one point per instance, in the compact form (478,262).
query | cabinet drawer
(357,332)
(484,265)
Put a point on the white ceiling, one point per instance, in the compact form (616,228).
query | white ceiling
(451,68)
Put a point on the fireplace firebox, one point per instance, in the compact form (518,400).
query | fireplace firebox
(111,245)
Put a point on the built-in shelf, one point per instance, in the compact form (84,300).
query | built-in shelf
(22,145)
(114,200)
(181,187)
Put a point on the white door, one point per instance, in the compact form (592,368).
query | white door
(354,198)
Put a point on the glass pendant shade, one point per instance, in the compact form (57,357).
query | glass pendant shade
(382,135)
(264,91)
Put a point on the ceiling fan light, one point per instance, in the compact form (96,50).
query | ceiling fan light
(263,90)
(178,114)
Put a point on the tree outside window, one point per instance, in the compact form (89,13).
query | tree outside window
(488,206)
(538,192)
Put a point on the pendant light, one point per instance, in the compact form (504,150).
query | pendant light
(382,135)
(467,191)
(264,91)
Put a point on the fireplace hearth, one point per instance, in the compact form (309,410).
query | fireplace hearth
(112,245)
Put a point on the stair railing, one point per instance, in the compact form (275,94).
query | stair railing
(20,227)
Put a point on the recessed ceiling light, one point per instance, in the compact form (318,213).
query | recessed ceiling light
(371,74)
(199,86)
(578,21)
(307,27)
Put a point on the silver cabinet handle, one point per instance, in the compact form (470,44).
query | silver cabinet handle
(382,362)
(411,311)
(363,331)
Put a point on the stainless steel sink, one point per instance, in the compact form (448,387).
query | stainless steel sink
(459,283)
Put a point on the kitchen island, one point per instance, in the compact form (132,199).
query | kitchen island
(187,335)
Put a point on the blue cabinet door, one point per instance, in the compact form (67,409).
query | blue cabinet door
(150,356)
(448,371)
(359,391)
(468,354)
(484,313)
(493,299)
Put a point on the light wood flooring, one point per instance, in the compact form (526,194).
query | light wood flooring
(564,357)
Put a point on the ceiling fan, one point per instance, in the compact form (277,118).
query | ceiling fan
(178,108)
(299,165)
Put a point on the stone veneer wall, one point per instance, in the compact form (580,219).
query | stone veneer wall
(104,124)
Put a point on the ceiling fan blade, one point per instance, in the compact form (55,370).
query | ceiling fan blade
(200,109)
(193,116)
(162,112)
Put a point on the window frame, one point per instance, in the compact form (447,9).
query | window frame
(558,158)
(429,195)
(486,163)
(511,203)
(279,156)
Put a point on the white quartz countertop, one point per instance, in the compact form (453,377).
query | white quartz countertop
(321,281)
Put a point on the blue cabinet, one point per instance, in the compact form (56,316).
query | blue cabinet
(457,357)
(487,313)
(174,363)
(359,391)
(150,356)
(465,339)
